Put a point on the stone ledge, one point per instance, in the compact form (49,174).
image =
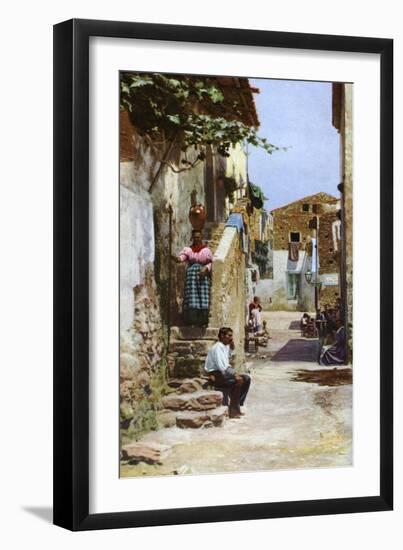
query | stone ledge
(195,347)
(205,419)
(197,401)
(224,247)
(188,385)
(194,333)
(187,368)
(151,453)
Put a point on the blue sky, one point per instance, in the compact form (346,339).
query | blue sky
(298,115)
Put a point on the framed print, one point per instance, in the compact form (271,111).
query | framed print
(223,316)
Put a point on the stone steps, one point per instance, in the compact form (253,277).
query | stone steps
(186,367)
(190,347)
(188,385)
(151,453)
(193,333)
(202,419)
(192,405)
(201,400)
(201,408)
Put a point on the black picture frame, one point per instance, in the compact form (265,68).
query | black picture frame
(71,274)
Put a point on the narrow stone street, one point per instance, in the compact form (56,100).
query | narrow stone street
(298,415)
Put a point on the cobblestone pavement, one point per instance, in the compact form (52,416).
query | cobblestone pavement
(298,415)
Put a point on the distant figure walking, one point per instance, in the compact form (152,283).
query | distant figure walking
(223,375)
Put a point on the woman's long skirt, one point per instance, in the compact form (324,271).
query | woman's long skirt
(196,296)
(336,353)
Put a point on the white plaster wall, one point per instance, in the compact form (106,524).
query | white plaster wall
(236,164)
(307,291)
(228,236)
(177,190)
(136,239)
(267,288)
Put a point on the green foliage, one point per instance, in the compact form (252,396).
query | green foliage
(230,185)
(179,109)
(140,416)
(143,421)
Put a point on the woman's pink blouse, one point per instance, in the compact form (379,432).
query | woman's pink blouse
(203,257)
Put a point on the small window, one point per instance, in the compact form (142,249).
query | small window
(295,237)
(305,208)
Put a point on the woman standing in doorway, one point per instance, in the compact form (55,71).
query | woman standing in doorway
(196,300)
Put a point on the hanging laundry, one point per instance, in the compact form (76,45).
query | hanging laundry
(236,220)
(336,233)
(293,252)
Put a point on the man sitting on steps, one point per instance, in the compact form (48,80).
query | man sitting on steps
(223,375)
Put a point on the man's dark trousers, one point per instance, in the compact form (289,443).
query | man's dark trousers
(238,389)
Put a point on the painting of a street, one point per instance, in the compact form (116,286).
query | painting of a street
(236,311)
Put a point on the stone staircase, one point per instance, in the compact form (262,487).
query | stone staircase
(193,404)
(188,349)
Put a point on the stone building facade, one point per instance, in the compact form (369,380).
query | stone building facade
(294,240)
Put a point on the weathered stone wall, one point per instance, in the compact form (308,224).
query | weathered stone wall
(228,292)
(342,119)
(329,245)
(141,337)
(292,218)
(146,268)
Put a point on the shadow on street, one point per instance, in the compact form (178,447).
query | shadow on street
(298,350)
(295,325)
(325,377)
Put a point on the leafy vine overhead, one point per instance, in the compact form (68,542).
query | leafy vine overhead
(189,111)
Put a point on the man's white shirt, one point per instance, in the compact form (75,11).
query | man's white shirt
(218,358)
(257,317)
